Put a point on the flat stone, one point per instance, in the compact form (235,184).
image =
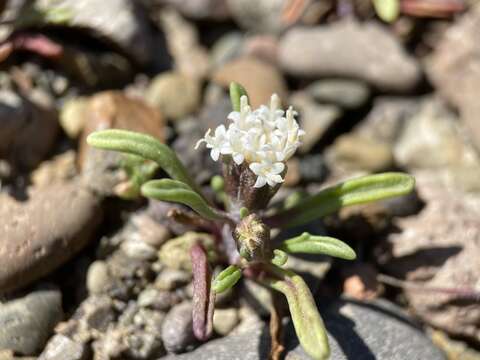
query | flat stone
(27,322)
(44,232)
(348,94)
(177,328)
(61,347)
(365,51)
(259,78)
(377,330)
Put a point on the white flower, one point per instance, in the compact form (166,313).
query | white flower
(264,138)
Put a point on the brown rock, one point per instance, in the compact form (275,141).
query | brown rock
(439,248)
(260,79)
(44,232)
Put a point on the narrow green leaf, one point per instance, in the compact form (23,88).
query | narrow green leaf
(387,10)
(236,92)
(280,257)
(313,244)
(176,191)
(145,146)
(351,192)
(227,279)
(306,319)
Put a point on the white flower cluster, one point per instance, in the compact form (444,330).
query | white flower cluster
(265,138)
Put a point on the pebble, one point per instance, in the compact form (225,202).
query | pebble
(60,347)
(315,119)
(170,279)
(72,116)
(177,329)
(60,168)
(28,130)
(225,320)
(138,249)
(354,152)
(174,95)
(175,254)
(158,299)
(347,94)
(26,322)
(259,78)
(149,231)
(44,232)
(227,48)
(365,51)
(98,277)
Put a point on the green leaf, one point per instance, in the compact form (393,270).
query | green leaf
(176,191)
(145,146)
(306,319)
(351,192)
(387,10)
(227,279)
(236,92)
(280,257)
(313,244)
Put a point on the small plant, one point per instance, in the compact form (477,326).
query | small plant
(253,150)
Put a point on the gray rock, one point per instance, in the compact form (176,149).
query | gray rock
(60,347)
(98,277)
(44,232)
(366,51)
(177,329)
(200,9)
(456,74)
(174,95)
(170,279)
(258,16)
(315,119)
(348,94)
(157,299)
(27,130)
(228,47)
(436,248)
(97,313)
(138,249)
(313,168)
(27,322)
(356,331)
(128,29)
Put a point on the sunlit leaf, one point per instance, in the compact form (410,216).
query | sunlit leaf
(306,319)
(236,92)
(387,10)
(227,279)
(351,192)
(176,191)
(145,146)
(313,244)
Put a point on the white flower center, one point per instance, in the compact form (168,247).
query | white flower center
(265,138)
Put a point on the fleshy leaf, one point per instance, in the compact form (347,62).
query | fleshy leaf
(145,146)
(176,191)
(351,192)
(227,279)
(387,10)
(203,296)
(306,319)
(280,257)
(236,92)
(313,244)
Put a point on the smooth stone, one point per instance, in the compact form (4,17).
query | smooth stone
(129,28)
(27,322)
(28,130)
(98,277)
(44,232)
(61,168)
(174,95)
(200,9)
(259,78)
(377,330)
(225,49)
(354,152)
(365,51)
(138,249)
(177,330)
(60,347)
(72,116)
(348,94)
(315,119)
(456,74)
(158,299)
(170,279)
(225,320)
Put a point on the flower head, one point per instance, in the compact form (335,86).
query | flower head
(264,138)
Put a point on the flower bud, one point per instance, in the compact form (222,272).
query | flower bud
(253,239)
